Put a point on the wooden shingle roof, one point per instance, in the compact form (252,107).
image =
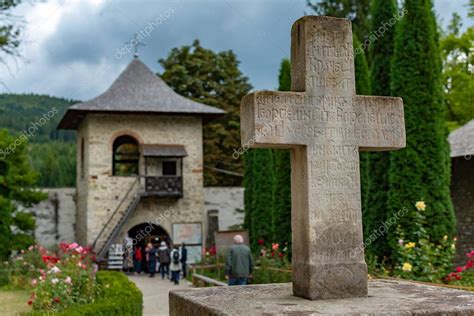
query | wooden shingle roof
(138,90)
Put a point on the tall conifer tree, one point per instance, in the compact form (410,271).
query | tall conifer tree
(282,191)
(262,189)
(421,171)
(376,185)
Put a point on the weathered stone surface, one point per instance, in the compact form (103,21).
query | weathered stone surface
(325,124)
(385,297)
(55,217)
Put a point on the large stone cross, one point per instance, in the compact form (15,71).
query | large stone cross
(325,124)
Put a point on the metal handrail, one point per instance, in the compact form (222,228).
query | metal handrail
(115,212)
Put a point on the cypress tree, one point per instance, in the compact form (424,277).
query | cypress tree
(248,184)
(421,171)
(376,184)
(361,69)
(363,88)
(261,204)
(282,182)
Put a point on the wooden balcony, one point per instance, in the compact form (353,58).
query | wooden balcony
(164,186)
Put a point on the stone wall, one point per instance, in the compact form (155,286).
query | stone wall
(229,202)
(462,193)
(55,217)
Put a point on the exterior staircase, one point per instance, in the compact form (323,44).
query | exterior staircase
(116,221)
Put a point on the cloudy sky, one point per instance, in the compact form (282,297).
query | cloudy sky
(75,48)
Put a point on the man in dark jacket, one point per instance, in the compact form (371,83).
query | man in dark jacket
(239,263)
(164,259)
(184,259)
(152,260)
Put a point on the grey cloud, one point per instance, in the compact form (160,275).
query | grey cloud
(78,59)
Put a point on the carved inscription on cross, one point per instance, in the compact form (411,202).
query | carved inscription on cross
(325,124)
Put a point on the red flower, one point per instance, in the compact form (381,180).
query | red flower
(261,242)
(30,302)
(469,264)
(272,254)
(459,269)
(281,255)
(212,251)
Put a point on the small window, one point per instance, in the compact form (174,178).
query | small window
(126,156)
(169,168)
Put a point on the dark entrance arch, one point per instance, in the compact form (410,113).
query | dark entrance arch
(142,234)
(145,233)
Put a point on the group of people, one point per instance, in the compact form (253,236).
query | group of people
(162,259)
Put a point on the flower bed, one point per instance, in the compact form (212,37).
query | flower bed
(422,259)
(117,296)
(464,275)
(65,282)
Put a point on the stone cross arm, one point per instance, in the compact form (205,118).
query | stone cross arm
(287,119)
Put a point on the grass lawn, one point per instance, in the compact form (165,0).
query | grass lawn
(13,302)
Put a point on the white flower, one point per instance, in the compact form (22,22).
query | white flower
(55,280)
(54,270)
(68,280)
(420,205)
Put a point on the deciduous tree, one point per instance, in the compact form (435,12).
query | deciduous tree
(213,79)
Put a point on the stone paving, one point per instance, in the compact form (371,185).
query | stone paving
(155,293)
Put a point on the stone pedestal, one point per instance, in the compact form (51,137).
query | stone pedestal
(385,297)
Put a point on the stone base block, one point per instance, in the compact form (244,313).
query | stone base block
(322,281)
(385,297)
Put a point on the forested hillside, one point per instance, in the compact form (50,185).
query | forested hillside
(52,152)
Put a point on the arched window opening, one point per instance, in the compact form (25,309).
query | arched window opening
(126,156)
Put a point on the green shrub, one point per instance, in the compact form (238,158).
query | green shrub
(268,275)
(117,296)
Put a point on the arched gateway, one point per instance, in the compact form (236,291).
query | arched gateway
(145,233)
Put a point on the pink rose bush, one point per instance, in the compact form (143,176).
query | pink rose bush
(57,280)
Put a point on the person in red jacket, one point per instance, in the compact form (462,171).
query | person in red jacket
(137,259)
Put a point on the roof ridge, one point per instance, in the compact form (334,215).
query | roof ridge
(138,89)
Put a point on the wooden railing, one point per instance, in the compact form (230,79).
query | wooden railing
(164,186)
(201,280)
